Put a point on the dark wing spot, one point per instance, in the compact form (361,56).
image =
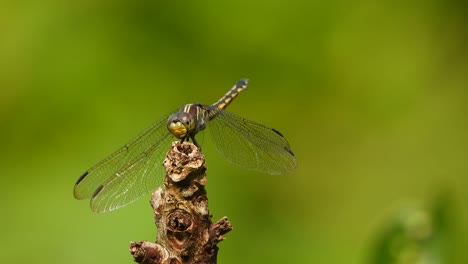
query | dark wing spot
(81,178)
(290,151)
(277,132)
(98,190)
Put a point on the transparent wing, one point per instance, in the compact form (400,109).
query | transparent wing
(127,174)
(251,145)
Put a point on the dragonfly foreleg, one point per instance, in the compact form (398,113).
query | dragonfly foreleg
(195,142)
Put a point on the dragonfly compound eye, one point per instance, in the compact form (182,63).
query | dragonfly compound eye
(176,126)
(177,129)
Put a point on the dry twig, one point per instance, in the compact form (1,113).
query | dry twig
(185,231)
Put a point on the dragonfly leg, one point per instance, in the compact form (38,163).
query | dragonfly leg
(195,142)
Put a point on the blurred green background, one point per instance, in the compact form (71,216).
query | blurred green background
(372,96)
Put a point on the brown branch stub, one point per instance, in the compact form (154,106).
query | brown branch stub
(185,231)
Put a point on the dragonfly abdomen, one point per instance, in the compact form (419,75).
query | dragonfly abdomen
(231,94)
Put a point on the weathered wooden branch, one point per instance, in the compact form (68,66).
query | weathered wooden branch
(185,233)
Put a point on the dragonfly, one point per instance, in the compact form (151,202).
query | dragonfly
(132,171)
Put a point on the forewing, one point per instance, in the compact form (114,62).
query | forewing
(128,173)
(251,145)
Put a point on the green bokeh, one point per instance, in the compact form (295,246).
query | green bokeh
(371,95)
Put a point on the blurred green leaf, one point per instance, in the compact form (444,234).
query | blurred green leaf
(418,235)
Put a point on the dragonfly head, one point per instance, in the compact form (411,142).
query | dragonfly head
(180,124)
